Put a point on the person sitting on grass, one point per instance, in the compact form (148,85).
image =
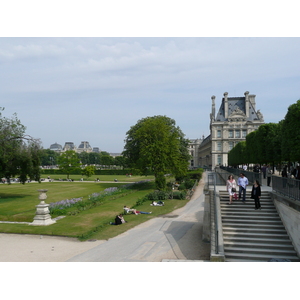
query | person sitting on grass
(134,211)
(118,220)
(159,203)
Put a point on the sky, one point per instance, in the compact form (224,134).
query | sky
(74,85)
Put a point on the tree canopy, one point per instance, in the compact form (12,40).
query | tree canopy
(68,162)
(271,142)
(291,133)
(157,144)
(19,153)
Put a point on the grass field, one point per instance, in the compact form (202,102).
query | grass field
(17,203)
(122,178)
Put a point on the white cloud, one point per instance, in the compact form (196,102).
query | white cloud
(96,88)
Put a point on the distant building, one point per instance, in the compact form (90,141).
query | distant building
(193,151)
(69,146)
(115,154)
(237,117)
(56,147)
(84,147)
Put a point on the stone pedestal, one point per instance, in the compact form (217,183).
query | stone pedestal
(42,216)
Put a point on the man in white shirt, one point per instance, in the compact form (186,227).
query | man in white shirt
(242,183)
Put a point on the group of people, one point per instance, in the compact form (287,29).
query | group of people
(241,184)
(120,219)
(295,172)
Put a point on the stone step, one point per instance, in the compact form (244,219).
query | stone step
(246,214)
(241,203)
(247,239)
(255,250)
(250,219)
(235,207)
(264,200)
(228,226)
(246,229)
(229,259)
(248,196)
(256,235)
(258,257)
(257,244)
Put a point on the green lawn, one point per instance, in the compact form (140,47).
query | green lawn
(122,178)
(17,203)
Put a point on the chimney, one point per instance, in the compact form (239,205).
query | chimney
(252,100)
(225,105)
(247,104)
(213,109)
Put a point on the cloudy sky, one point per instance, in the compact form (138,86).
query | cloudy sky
(76,72)
(95,89)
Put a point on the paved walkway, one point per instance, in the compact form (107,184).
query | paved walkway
(173,237)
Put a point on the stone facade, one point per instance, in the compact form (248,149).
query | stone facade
(237,117)
(193,151)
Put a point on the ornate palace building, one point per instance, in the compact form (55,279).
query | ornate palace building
(237,116)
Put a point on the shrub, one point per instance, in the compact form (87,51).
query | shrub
(189,184)
(181,187)
(158,195)
(179,195)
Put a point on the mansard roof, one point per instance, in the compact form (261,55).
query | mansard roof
(55,147)
(236,108)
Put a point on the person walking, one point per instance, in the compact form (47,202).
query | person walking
(269,175)
(231,187)
(256,194)
(242,183)
(284,175)
(264,170)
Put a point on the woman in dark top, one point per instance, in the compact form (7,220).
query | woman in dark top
(256,193)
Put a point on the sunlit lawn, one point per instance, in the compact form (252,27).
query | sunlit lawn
(17,203)
(122,178)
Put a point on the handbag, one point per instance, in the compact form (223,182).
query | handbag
(233,190)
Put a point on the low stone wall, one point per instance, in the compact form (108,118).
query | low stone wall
(208,234)
(289,211)
(206,216)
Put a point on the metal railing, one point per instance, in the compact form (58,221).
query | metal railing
(287,186)
(252,176)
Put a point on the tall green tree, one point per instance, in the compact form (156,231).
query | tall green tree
(49,157)
(19,153)
(107,160)
(84,158)
(94,158)
(290,129)
(157,144)
(88,171)
(68,162)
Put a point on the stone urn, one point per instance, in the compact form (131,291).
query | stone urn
(42,195)
(42,215)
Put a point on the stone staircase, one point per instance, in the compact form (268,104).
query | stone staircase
(254,235)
